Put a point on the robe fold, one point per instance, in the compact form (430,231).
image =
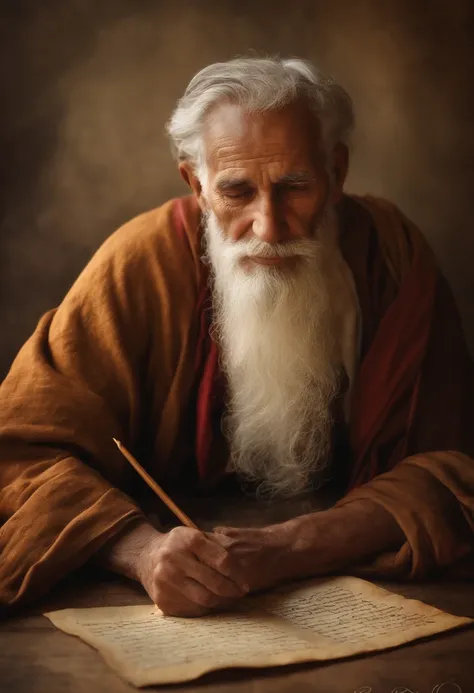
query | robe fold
(128,354)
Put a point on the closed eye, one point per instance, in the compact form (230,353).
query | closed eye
(235,188)
(238,193)
(297,186)
(302,186)
(295,182)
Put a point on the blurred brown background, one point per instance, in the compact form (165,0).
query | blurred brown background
(87,86)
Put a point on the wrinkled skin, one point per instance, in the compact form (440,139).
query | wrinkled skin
(266,555)
(268,175)
(187,573)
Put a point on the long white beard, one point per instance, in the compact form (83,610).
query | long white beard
(276,334)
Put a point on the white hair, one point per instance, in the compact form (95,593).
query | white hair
(258,84)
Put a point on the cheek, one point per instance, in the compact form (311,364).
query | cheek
(234,220)
(302,213)
(303,210)
(321,201)
(299,207)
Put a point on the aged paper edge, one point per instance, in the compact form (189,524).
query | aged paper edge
(187,672)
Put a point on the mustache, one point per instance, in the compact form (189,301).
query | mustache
(254,247)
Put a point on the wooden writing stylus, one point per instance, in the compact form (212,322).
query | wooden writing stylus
(155,487)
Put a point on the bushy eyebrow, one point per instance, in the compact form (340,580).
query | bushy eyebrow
(288,179)
(232,183)
(298,177)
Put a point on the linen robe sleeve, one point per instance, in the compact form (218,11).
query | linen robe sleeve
(76,383)
(431,493)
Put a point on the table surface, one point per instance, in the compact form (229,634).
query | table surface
(37,658)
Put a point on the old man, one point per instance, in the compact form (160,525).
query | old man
(267,328)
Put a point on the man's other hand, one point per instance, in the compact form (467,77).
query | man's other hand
(266,555)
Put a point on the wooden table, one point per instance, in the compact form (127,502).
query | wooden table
(37,658)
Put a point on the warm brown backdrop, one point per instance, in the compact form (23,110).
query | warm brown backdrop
(87,86)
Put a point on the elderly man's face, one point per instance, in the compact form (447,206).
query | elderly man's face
(269,230)
(267,176)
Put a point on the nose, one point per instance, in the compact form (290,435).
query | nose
(268,225)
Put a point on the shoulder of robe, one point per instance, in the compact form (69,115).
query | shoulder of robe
(399,238)
(160,246)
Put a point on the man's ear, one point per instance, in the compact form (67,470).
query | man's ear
(190,178)
(340,166)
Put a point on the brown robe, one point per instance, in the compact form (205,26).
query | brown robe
(121,357)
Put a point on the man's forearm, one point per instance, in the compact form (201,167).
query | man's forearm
(125,554)
(314,544)
(334,539)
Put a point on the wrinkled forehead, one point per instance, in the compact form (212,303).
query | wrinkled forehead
(289,136)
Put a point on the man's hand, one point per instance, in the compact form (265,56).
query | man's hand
(315,544)
(189,573)
(265,554)
(185,571)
